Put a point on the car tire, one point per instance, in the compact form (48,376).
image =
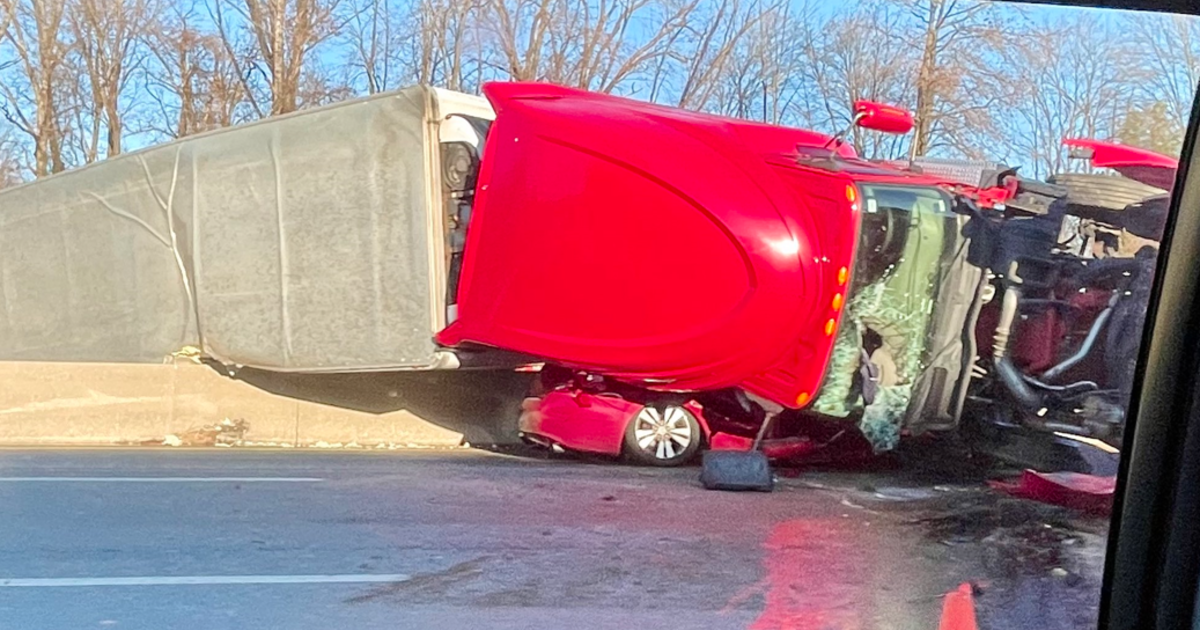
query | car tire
(662,435)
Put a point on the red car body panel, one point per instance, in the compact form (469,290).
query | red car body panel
(586,422)
(669,249)
(591,424)
(785,448)
(1140,165)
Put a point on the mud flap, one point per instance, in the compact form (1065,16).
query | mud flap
(737,470)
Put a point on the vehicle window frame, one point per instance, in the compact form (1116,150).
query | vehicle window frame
(1152,562)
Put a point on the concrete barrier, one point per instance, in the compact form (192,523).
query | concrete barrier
(73,403)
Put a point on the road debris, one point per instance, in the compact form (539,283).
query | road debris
(228,432)
(191,354)
(1087,493)
(958,609)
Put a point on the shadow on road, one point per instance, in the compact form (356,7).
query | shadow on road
(481,404)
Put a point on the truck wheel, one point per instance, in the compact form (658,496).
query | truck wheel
(662,435)
(1106,192)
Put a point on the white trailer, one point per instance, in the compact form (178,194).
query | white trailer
(319,241)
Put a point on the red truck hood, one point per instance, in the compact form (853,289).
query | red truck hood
(673,249)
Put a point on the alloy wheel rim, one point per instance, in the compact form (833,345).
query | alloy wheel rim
(664,433)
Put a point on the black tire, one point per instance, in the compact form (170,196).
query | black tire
(1103,192)
(673,453)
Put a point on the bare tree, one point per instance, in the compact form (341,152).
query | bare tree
(108,35)
(1072,78)
(849,57)
(711,40)
(34,91)
(1151,126)
(283,35)
(176,46)
(1169,49)
(10,159)
(765,78)
(950,35)
(449,40)
(374,32)
(196,83)
(319,87)
(593,45)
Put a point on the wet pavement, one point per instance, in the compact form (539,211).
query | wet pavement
(472,539)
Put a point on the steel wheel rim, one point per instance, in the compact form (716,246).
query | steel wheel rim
(663,433)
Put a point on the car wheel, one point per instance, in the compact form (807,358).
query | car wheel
(662,435)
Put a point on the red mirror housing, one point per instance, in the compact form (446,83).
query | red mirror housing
(1147,167)
(881,117)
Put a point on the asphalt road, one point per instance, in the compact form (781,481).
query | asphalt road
(153,539)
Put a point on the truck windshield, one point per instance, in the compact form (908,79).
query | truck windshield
(889,214)
(908,232)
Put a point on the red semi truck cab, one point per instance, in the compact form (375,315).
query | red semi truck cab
(668,249)
(669,262)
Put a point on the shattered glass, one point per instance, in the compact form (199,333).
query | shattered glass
(888,315)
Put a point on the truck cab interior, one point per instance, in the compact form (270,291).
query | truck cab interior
(461,140)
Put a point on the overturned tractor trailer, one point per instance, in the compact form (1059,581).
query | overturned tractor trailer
(335,240)
(323,241)
(668,252)
(688,280)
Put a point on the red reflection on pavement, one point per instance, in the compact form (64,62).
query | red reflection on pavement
(812,571)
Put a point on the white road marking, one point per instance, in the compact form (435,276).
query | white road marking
(192,580)
(162,479)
